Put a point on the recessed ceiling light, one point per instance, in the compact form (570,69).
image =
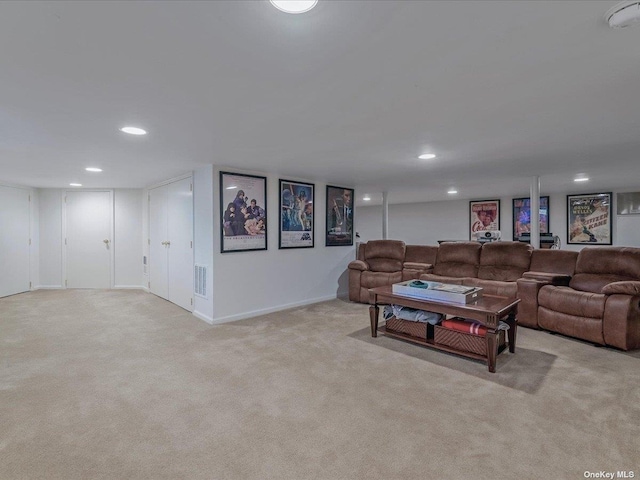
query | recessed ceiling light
(75,184)
(366,198)
(232,187)
(133,130)
(427,156)
(93,169)
(625,14)
(294,6)
(581,179)
(452,191)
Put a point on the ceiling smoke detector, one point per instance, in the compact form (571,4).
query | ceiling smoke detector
(625,14)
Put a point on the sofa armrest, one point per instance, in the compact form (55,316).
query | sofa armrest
(548,278)
(622,288)
(528,290)
(358,265)
(423,267)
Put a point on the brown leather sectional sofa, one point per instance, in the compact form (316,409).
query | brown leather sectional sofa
(593,295)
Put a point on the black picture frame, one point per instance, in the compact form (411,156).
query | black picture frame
(238,234)
(297,217)
(589,219)
(339,216)
(484,216)
(521,211)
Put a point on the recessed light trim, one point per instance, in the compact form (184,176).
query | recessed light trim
(581,179)
(452,191)
(427,156)
(294,6)
(75,184)
(93,169)
(624,14)
(232,187)
(133,130)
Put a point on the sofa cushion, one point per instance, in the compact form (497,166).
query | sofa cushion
(599,266)
(385,255)
(504,261)
(553,261)
(622,288)
(458,259)
(589,329)
(572,302)
(379,279)
(388,265)
(493,287)
(421,253)
(430,277)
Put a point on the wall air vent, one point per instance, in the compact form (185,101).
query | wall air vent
(200,280)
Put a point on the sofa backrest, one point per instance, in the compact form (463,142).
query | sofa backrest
(504,261)
(385,255)
(598,266)
(421,254)
(458,259)
(554,261)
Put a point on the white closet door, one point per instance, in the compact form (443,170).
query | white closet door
(89,220)
(158,238)
(180,247)
(14,240)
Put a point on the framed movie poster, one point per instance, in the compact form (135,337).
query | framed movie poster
(522,216)
(339,223)
(296,214)
(589,219)
(484,215)
(243,212)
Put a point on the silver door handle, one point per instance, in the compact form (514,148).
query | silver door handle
(168,244)
(106,241)
(163,243)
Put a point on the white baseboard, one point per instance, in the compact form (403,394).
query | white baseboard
(203,317)
(48,287)
(136,287)
(255,313)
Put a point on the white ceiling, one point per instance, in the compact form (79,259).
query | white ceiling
(349,93)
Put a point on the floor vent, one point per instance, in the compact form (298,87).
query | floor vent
(201,280)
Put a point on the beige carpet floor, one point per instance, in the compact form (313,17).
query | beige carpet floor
(121,384)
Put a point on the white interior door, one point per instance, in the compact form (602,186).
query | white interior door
(89,220)
(180,247)
(14,240)
(158,238)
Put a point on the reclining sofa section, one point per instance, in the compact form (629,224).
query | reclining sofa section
(593,295)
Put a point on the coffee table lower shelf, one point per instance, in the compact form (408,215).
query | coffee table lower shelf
(430,343)
(488,311)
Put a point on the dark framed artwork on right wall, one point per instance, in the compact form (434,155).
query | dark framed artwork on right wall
(589,219)
(339,211)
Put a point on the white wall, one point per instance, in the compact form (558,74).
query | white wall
(426,223)
(34,232)
(252,283)
(50,213)
(203,236)
(127,241)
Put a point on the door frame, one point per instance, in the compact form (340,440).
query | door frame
(32,231)
(63,200)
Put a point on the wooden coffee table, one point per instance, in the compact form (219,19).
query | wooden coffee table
(489,310)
